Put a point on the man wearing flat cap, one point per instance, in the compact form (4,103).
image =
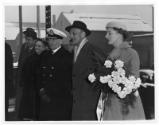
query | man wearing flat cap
(85,97)
(55,81)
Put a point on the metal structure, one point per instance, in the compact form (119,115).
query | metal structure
(38,20)
(47,17)
(20,25)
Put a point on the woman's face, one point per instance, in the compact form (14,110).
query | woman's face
(112,36)
(39,47)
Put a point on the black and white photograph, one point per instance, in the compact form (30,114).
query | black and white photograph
(79,62)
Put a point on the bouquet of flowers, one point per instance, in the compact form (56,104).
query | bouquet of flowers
(117,79)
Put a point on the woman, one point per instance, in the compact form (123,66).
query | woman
(131,107)
(29,107)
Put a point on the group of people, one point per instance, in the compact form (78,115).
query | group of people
(53,82)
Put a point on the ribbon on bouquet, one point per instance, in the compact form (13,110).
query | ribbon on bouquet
(100,106)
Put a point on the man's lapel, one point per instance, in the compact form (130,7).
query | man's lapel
(78,64)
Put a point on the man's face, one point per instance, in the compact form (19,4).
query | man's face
(76,35)
(30,40)
(54,43)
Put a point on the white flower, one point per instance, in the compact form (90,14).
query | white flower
(130,84)
(119,64)
(122,94)
(108,64)
(117,81)
(110,83)
(128,90)
(104,79)
(115,88)
(127,82)
(121,71)
(114,74)
(132,79)
(120,80)
(138,83)
(118,89)
(124,80)
(124,89)
(91,78)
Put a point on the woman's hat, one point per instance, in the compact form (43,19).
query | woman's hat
(55,33)
(80,25)
(117,25)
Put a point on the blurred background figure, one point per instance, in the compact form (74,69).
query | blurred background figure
(26,50)
(8,77)
(18,45)
(147,92)
(30,71)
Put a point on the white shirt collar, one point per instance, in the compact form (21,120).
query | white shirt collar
(78,49)
(82,43)
(54,51)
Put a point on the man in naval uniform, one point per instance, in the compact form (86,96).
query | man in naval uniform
(55,80)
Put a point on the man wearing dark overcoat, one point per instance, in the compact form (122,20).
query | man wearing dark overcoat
(55,81)
(8,77)
(85,96)
(26,50)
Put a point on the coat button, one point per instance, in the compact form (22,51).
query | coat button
(50,75)
(73,89)
(74,101)
(44,67)
(52,67)
(73,75)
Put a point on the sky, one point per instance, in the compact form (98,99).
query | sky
(29,12)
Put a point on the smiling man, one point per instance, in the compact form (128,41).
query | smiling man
(85,97)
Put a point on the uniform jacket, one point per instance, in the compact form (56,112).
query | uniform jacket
(55,80)
(85,96)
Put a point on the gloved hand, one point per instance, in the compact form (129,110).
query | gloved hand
(44,96)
